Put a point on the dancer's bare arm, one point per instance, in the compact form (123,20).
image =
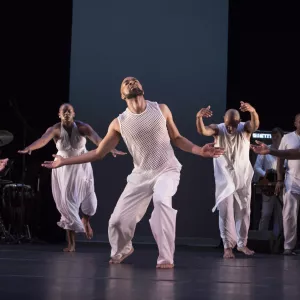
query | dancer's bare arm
(252,125)
(50,133)
(108,143)
(184,144)
(93,136)
(210,130)
(89,132)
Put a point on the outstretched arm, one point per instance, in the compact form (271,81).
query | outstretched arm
(286,154)
(210,130)
(252,125)
(262,148)
(108,143)
(41,142)
(184,144)
(93,136)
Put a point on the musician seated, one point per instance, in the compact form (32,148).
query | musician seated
(3,163)
(265,166)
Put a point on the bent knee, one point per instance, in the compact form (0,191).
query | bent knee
(160,201)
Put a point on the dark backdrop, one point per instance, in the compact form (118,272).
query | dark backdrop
(263,64)
(179,53)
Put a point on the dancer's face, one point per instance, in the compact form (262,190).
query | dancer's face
(276,138)
(232,118)
(131,88)
(297,122)
(66,113)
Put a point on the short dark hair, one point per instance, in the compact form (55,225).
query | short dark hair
(66,103)
(278,130)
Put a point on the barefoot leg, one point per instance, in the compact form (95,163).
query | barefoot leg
(87,226)
(228,253)
(72,238)
(71,241)
(245,250)
(68,241)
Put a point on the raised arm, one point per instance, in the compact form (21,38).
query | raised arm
(108,143)
(252,125)
(210,130)
(184,144)
(42,141)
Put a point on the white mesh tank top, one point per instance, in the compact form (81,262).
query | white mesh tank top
(147,138)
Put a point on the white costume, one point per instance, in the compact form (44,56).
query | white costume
(291,193)
(155,175)
(271,203)
(73,185)
(233,174)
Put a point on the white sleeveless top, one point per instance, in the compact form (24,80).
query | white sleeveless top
(292,175)
(147,138)
(233,170)
(73,145)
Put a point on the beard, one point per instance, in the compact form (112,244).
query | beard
(134,93)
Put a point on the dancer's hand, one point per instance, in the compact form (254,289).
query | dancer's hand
(261,148)
(209,150)
(58,162)
(205,112)
(116,152)
(246,107)
(3,163)
(25,151)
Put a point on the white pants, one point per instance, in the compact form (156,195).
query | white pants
(233,223)
(270,206)
(290,211)
(132,206)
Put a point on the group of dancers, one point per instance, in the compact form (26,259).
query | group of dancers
(148,129)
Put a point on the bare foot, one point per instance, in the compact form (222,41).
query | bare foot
(165,266)
(228,253)
(87,227)
(245,250)
(69,249)
(119,258)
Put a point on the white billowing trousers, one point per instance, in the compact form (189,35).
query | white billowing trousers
(291,202)
(72,189)
(132,206)
(234,222)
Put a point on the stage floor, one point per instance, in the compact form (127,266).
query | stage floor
(44,272)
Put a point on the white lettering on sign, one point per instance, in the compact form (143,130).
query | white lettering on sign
(261,135)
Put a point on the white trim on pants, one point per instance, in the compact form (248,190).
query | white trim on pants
(234,222)
(290,211)
(132,206)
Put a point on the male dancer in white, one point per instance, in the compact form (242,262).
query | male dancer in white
(233,174)
(291,190)
(72,186)
(146,128)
